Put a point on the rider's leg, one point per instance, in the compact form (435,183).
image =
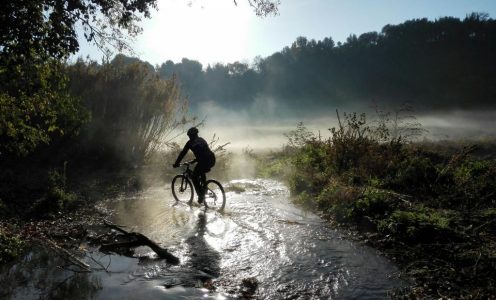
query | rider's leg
(198,181)
(203,179)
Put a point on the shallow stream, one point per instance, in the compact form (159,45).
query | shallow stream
(262,238)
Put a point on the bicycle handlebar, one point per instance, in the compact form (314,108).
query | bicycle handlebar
(187,163)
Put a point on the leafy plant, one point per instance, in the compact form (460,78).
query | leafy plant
(35,106)
(421,225)
(11,246)
(56,196)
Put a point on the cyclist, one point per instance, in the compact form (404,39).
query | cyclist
(204,157)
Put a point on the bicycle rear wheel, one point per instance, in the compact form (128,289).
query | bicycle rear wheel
(215,197)
(182,189)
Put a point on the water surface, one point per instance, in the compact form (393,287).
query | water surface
(290,253)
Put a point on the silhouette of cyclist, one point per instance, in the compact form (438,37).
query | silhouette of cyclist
(204,157)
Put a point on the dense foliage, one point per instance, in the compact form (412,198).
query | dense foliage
(128,111)
(47,28)
(134,112)
(35,106)
(445,63)
(34,36)
(60,122)
(432,208)
(46,124)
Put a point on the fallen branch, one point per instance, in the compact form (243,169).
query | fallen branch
(136,240)
(106,269)
(69,256)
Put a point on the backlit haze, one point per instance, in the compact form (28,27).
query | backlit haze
(211,31)
(218,31)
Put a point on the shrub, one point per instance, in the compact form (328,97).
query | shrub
(11,246)
(336,200)
(310,172)
(275,168)
(134,112)
(474,183)
(420,225)
(56,197)
(372,203)
(414,175)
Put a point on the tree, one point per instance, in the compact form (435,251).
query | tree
(48,27)
(35,106)
(264,7)
(134,111)
(34,36)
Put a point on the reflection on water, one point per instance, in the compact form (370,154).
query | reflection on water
(41,275)
(200,253)
(291,253)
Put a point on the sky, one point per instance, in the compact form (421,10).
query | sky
(218,31)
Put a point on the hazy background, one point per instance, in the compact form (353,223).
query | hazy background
(217,31)
(253,79)
(245,132)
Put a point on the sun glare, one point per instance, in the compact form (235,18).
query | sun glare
(208,31)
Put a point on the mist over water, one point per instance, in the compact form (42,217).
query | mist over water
(264,125)
(459,124)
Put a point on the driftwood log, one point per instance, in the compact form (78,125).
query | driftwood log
(136,240)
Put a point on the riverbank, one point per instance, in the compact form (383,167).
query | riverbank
(430,207)
(61,210)
(453,269)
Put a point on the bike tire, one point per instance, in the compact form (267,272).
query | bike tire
(215,197)
(182,189)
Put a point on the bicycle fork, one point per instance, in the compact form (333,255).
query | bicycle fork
(184,184)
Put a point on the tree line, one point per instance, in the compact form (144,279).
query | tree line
(446,63)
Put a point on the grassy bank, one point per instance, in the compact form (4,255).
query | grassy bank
(429,206)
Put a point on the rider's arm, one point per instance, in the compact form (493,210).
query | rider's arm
(182,154)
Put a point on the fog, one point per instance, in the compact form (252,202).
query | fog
(459,124)
(263,127)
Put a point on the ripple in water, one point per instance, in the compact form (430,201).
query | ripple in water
(291,253)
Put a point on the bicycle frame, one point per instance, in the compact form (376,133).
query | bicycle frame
(189,174)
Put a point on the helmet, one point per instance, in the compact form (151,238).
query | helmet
(192,131)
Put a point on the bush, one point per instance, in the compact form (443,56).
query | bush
(278,167)
(56,197)
(11,246)
(336,200)
(414,175)
(134,112)
(439,203)
(372,203)
(474,183)
(419,226)
(310,172)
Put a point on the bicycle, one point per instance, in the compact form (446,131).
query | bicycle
(182,190)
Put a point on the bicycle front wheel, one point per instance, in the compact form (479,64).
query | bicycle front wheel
(215,197)
(182,189)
